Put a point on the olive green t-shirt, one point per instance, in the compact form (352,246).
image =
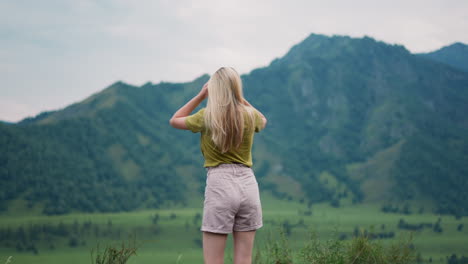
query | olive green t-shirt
(211,153)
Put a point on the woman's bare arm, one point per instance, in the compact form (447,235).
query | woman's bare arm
(178,119)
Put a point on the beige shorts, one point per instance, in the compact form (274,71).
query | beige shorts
(232,200)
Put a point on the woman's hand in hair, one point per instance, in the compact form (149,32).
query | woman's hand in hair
(178,119)
(204,91)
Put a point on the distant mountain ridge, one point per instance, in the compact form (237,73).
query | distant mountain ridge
(350,120)
(455,55)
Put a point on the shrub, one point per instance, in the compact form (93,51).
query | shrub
(361,249)
(277,251)
(114,254)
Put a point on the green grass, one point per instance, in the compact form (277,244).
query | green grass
(177,241)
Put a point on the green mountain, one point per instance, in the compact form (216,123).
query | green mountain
(350,120)
(455,55)
(387,124)
(113,151)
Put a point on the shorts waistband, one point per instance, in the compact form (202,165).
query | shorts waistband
(228,166)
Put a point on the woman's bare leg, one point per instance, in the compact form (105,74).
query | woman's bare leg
(243,246)
(213,247)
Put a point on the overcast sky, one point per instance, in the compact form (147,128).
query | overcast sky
(57,52)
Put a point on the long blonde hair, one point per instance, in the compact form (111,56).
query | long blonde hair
(224,113)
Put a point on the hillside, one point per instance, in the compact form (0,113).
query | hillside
(346,101)
(113,151)
(350,120)
(455,55)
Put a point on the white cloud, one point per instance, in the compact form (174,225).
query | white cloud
(13,111)
(53,53)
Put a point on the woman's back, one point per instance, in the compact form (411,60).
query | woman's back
(212,153)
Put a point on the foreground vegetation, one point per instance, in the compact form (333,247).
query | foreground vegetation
(360,249)
(334,251)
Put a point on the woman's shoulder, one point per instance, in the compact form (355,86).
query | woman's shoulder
(250,114)
(248,110)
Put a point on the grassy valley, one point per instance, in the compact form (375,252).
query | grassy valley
(168,235)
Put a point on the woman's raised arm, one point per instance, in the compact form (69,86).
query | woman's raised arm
(178,119)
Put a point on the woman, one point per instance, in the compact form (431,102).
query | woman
(232,200)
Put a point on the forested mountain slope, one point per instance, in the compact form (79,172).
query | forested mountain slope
(455,55)
(350,119)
